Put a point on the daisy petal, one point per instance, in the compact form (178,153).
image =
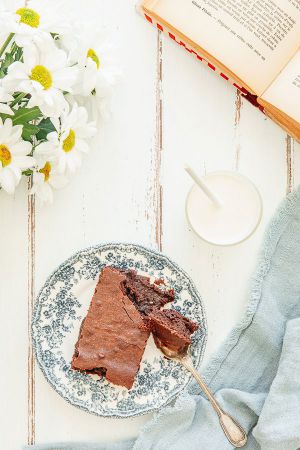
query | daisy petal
(54,64)
(5,96)
(7,181)
(62,164)
(64,78)
(30,56)
(15,135)
(16,172)
(43,192)
(5,131)
(53,136)
(74,161)
(58,181)
(82,145)
(47,193)
(24,162)
(21,148)
(6,109)
(45,148)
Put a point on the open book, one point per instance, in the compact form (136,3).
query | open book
(253,43)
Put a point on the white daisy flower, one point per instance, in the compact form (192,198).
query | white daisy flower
(44,74)
(98,103)
(13,155)
(36,19)
(96,79)
(45,178)
(97,72)
(68,144)
(5,97)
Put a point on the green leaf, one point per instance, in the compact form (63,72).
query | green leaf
(21,117)
(27,172)
(45,127)
(24,115)
(19,54)
(8,60)
(5,116)
(5,63)
(29,131)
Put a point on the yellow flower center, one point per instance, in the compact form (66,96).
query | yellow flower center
(5,155)
(46,170)
(42,75)
(93,55)
(69,142)
(29,16)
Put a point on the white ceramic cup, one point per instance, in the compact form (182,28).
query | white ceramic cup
(237,218)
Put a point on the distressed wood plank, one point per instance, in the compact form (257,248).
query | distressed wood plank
(237,117)
(159,141)
(114,197)
(154,196)
(30,305)
(296,164)
(290,149)
(13,311)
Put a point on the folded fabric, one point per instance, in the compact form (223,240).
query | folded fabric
(255,374)
(278,427)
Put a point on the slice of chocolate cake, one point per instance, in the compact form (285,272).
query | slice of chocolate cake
(124,309)
(172,329)
(113,335)
(145,295)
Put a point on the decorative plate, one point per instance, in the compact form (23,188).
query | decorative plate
(62,304)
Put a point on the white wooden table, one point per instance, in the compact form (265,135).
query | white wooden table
(168,109)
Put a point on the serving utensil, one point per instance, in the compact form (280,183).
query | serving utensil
(232,430)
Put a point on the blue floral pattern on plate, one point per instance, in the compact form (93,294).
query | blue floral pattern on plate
(62,304)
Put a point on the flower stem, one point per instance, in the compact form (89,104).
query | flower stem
(7,41)
(18,98)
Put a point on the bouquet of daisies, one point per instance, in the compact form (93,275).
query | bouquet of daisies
(55,79)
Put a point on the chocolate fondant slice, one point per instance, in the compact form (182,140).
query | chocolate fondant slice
(172,329)
(145,295)
(113,335)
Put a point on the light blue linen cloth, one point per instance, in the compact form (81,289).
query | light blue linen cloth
(256,373)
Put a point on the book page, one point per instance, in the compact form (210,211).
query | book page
(284,93)
(253,38)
